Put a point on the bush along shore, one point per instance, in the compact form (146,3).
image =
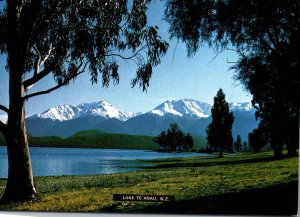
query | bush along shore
(243,183)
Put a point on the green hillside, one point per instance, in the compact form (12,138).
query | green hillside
(100,139)
(46,141)
(88,133)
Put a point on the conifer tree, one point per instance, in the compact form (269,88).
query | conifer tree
(238,143)
(219,131)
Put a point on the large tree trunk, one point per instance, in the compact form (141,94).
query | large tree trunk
(221,152)
(19,186)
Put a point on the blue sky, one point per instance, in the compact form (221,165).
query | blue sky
(177,77)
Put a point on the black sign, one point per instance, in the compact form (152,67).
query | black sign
(145,198)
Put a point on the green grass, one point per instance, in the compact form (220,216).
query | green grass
(100,139)
(189,180)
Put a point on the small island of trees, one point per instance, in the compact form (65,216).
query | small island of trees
(174,139)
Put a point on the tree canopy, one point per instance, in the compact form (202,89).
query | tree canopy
(66,38)
(265,35)
(257,139)
(238,143)
(174,139)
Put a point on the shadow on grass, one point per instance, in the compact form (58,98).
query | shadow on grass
(218,162)
(275,200)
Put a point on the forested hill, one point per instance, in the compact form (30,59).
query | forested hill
(100,139)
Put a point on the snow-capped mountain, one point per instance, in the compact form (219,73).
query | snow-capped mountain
(60,112)
(194,108)
(193,116)
(3,118)
(183,107)
(104,109)
(245,107)
(101,109)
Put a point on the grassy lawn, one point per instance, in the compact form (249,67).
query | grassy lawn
(236,183)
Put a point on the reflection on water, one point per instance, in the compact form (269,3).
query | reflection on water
(78,161)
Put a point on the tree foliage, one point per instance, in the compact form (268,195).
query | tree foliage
(257,139)
(238,144)
(219,131)
(188,141)
(265,34)
(174,139)
(66,38)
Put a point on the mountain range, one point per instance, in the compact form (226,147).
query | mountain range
(97,109)
(191,115)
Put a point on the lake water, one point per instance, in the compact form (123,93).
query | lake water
(79,161)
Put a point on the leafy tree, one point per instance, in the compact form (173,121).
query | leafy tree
(219,131)
(265,35)
(238,143)
(162,141)
(188,141)
(174,136)
(257,139)
(66,38)
(174,139)
(276,101)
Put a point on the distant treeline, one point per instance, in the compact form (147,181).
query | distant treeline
(99,139)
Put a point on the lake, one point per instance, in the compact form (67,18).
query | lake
(79,161)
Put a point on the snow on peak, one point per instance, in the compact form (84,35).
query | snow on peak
(3,118)
(183,107)
(69,112)
(60,112)
(165,108)
(244,106)
(103,109)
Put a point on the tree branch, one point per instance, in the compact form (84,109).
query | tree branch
(126,58)
(57,86)
(37,63)
(47,56)
(230,62)
(3,108)
(227,49)
(275,45)
(265,44)
(50,89)
(221,51)
(44,72)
